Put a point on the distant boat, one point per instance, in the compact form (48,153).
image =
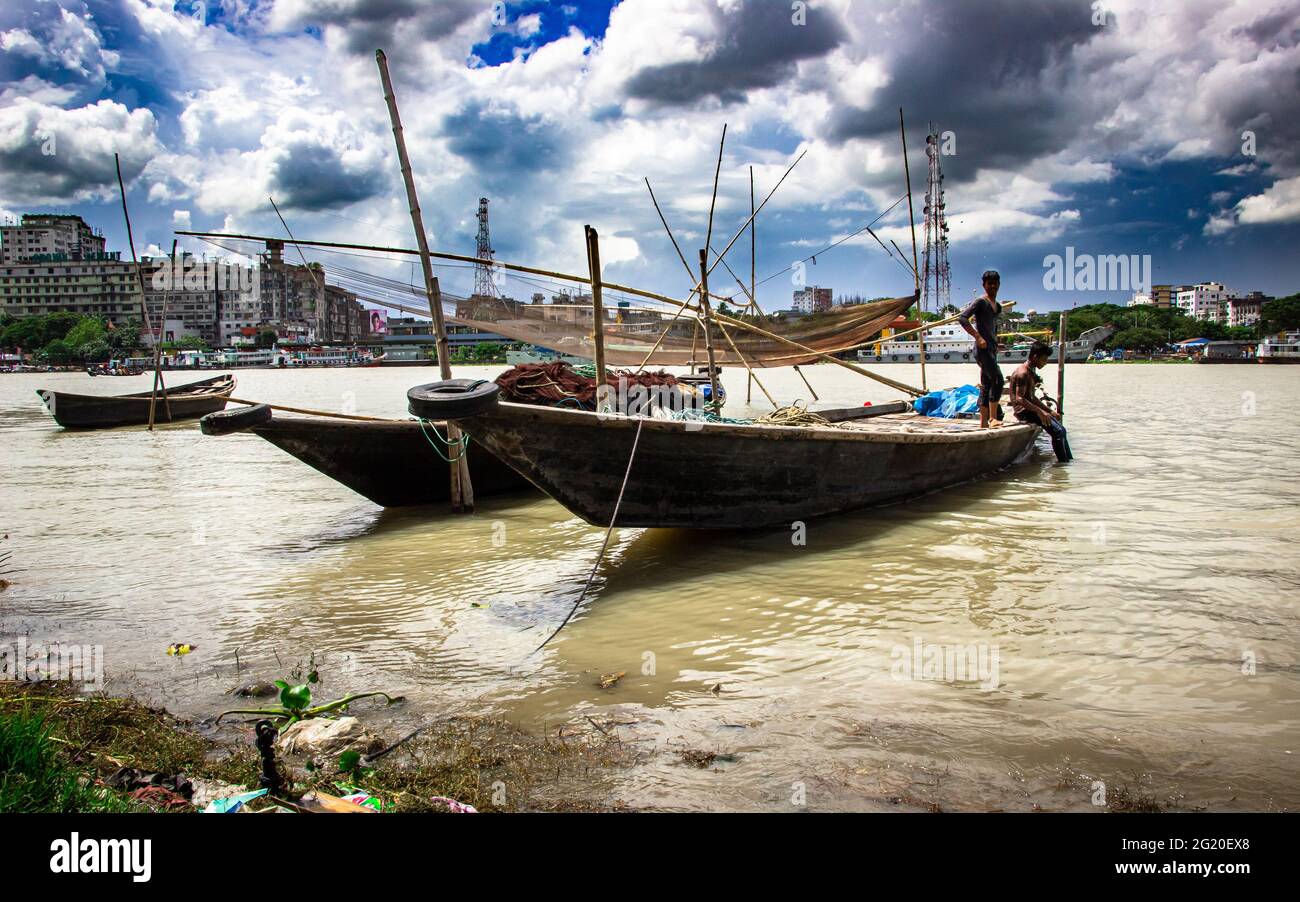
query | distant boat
(391,462)
(729,476)
(184,402)
(951,344)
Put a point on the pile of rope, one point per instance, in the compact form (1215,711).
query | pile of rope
(794,415)
(559,384)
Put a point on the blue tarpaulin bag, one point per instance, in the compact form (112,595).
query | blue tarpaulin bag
(948,402)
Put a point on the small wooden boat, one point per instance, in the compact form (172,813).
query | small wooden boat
(736,476)
(393,463)
(185,402)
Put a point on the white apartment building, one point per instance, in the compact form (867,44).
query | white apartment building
(1140,299)
(1205,300)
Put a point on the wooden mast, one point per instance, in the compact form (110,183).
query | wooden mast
(139,276)
(916,272)
(597,316)
(753,243)
(462,491)
(157,346)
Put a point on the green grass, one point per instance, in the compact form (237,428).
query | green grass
(33,778)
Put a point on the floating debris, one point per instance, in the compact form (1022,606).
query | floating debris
(176,649)
(610,680)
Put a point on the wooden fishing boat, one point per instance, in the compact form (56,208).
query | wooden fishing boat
(184,402)
(733,476)
(391,462)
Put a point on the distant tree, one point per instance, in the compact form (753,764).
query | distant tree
(126,336)
(1281,315)
(58,325)
(90,330)
(57,352)
(1138,338)
(266,338)
(27,332)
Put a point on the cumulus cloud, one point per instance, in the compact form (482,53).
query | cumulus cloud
(52,154)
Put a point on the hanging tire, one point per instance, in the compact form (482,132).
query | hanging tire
(452,399)
(237,419)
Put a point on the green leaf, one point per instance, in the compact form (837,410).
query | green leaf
(295,698)
(313,677)
(349,760)
(281,684)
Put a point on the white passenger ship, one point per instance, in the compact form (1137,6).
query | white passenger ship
(1280,350)
(951,344)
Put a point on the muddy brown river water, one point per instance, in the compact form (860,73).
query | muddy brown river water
(1130,621)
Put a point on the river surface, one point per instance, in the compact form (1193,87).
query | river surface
(1131,618)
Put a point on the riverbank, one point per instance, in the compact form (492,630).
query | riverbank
(63,751)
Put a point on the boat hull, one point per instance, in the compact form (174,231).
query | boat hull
(392,464)
(74,411)
(722,476)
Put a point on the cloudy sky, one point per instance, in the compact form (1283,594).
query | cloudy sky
(1113,127)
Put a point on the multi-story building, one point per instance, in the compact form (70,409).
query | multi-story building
(102,287)
(812,300)
(49,236)
(1205,300)
(1248,310)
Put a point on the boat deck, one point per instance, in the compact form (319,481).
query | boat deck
(916,424)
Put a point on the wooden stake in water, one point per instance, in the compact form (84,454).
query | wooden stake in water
(1060,366)
(462,492)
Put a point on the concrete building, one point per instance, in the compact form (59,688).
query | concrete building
(1248,310)
(1205,300)
(104,287)
(812,300)
(49,236)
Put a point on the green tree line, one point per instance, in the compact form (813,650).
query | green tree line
(65,337)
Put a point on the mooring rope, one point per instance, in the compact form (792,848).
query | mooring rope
(636,440)
(462,442)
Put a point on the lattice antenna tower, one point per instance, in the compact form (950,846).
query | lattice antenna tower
(936,282)
(483,283)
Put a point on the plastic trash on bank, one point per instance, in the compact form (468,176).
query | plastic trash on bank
(948,402)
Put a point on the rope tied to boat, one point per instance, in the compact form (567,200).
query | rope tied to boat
(462,443)
(794,415)
(636,440)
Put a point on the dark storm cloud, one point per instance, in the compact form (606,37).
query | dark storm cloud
(312,176)
(757,47)
(991,72)
(503,146)
(371,24)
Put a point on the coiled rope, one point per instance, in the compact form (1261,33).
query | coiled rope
(462,443)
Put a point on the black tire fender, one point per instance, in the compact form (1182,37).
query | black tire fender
(452,399)
(237,419)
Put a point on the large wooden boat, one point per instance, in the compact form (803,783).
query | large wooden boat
(184,402)
(393,463)
(737,476)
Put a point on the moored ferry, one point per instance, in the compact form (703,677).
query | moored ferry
(951,344)
(1284,349)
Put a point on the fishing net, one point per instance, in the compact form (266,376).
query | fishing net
(558,383)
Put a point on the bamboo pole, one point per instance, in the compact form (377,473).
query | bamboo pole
(157,346)
(725,334)
(139,276)
(708,333)
(462,490)
(597,316)
(753,244)
(916,271)
(806,382)
(1060,366)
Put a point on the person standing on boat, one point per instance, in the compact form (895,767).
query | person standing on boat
(1021,391)
(984,311)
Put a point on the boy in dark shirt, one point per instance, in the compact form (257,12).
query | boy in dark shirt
(984,311)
